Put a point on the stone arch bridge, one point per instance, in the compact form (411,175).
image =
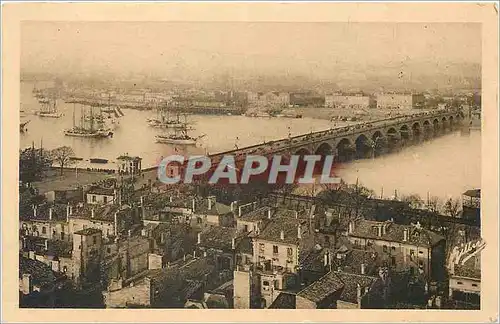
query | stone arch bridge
(359,140)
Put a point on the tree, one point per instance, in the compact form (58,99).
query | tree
(62,156)
(434,204)
(452,207)
(414,201)
(32,164)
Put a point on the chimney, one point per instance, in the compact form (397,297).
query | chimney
(171,199)
(50,213)
(46,245)
(325,259)
(209,203)
(116,225)
(282,235)
(296,214)
(71,210)
(142,201)
(379,230)
(269,213)
(92,213)
(67,212)
(233,243)
(34,210)
(239,211)
(363,268)
(358,294)
(24,242)
(193,205)
(26,286)
(351,227)
(129,232)
(194,254)
(199,238)
(405,235)
(205,254)
(162,237)
(184,258)
(299,232)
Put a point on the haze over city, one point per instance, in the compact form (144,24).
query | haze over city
(359,55)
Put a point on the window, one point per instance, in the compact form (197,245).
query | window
(393,248)
(474,285)
(420,252)
(199,220)
(289,252)
(393,261)
(275,249)
(265,283)
(245,228)
(460,283)
(385,248)
(412,254)
(62,235)
(108,250)
(105,199)
(44,230)
(261,247)
(65,269)
(276,284)
(94,198)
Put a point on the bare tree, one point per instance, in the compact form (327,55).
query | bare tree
(414,200)
(62,156)
(452,207)
(434,204)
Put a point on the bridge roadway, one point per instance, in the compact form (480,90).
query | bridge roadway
(335,138)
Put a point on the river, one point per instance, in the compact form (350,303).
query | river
(443,167)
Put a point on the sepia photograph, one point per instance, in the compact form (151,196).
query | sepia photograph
(250,164)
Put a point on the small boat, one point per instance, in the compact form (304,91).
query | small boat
(79,132)
(74,158)
(22,126)
(49,114)
(98,160)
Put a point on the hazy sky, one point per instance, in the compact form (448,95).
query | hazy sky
(177,48)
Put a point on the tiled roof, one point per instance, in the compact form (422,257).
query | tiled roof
(351,282)
(43,211)
(40,273)
(217,208)
(218,237)
(256,215)
(475,193)
(101,191)
(321,289)
(395,233)
(59,248)
(312,260)
(284,301)
(103,213)
(289,226)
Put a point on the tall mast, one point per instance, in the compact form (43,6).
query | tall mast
(91,118)
(74,105)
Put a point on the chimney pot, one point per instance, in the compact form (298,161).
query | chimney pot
(92,213)
(363,268)
(171,199)
(282,235)
(34,210)
(199,238)
(193,206)
(269,214)
(209,203)
(351,227)
(129,233)
(405,235)
(233,243)
(46,245)
(299,232)
(50,213)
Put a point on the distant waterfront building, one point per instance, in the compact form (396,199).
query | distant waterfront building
(338,100)
(129,164)
(400,101)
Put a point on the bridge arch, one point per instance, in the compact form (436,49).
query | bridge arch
(379,143)
(416,130)
(302,151)
(324,149)
(345,150)
(404,132)
(444,123)
(435,126)
(364,146)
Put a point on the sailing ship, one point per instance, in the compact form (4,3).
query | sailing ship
(90,126)
(49,108)
(179,137)
(163,119)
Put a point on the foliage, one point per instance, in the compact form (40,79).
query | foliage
(414,201)
(452,207)
(32,164)
(62,156)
